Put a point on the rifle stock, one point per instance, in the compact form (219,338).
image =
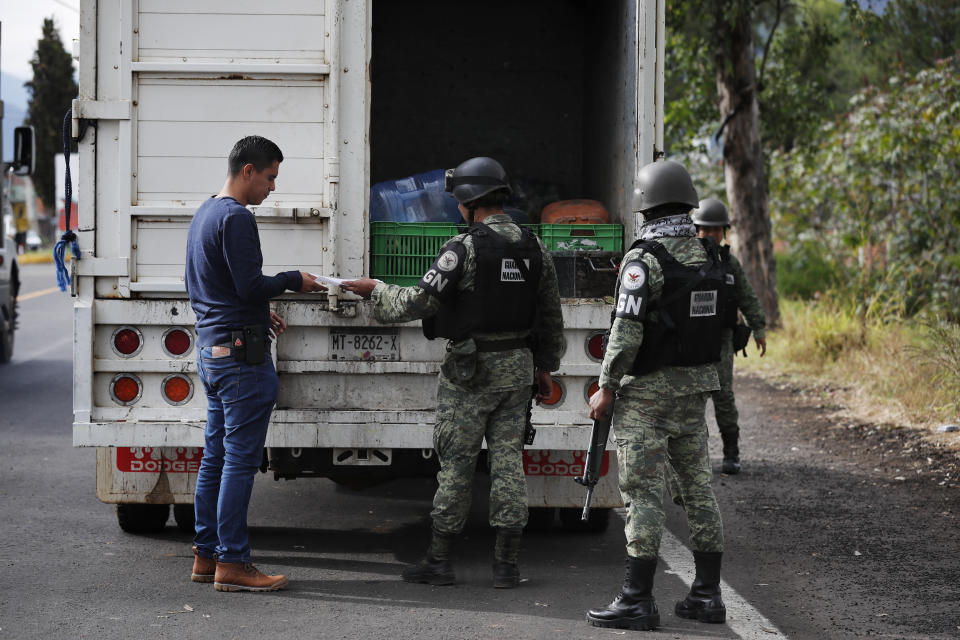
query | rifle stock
(594,462)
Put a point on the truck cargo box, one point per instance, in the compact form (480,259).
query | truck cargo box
(565,93)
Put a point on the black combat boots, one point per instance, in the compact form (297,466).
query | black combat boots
(634,607)
(703,603)
(506,572)
(731,454)
(435,568)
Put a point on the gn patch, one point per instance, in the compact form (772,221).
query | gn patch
(441,279)
(510,272)
(632,299)
(703,303)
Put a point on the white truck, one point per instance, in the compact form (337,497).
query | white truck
(354,92)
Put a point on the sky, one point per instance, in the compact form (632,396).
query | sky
(21,22)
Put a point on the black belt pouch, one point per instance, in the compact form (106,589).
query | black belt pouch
(249,345)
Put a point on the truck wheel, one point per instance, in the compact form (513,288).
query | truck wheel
(540,519)
(8,328)
(142,518)
(6,333)
(598,521)
(6,343)
(185,517)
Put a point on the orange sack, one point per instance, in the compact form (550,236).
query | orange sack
(575,212)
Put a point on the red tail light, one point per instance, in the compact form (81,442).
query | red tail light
(592,388)
(127,341)
(556,395)
(177,389)
(125,388)
(177,341)
(595,346)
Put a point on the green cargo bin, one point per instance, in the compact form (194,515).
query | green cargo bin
(582,237)
(401,252)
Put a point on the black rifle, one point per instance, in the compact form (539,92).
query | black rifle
(594,462)
(529,432)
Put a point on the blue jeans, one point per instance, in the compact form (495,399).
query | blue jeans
(240,398)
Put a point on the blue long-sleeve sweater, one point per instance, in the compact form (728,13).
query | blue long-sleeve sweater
(224,276)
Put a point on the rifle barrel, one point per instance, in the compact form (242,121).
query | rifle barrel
(585,517)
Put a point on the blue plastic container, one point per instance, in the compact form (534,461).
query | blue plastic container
(419,198)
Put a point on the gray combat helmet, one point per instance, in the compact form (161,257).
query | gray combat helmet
(476,178)
(711,213)
(663,182)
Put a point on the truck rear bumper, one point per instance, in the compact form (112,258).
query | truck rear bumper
(396,435)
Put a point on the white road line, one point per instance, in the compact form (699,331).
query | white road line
(37,294)
(742,618)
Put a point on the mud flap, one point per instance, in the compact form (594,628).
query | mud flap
(550,477)
(147,475)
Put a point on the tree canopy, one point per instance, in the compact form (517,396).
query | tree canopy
(812,56)
(858,114)
(51,91)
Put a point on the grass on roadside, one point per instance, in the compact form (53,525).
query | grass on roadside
(36,257)
(897,372)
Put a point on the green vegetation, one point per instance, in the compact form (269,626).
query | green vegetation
(878,199)
(860,128)
(868,222)
(907,373)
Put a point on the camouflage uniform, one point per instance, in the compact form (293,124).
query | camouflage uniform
(492,403)
(659,418)
(724,406)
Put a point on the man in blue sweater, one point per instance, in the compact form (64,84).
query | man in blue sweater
(231,298)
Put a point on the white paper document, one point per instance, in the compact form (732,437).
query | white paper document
(330,280)
(336,282)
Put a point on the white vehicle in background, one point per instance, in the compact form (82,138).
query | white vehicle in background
(33,241)
(9,289)
(354,92)
(22,164)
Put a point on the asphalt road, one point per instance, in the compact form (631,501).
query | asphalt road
(820,543)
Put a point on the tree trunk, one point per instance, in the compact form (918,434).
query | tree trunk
(743,168)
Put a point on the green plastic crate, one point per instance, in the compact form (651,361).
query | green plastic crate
(401,252)
(582,237)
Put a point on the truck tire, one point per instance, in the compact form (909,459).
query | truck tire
(142,518)
(6,341)
(7,326)
(598,521)
(8,322)
(540,519)
(185,517)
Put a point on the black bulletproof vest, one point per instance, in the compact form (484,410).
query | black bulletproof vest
(731,301)
(689,312)
(504,297)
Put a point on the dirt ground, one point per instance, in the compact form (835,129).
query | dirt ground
(841,528)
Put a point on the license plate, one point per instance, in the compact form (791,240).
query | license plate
(365,344)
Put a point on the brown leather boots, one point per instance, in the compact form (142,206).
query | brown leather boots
(243,576)
(233,576)
(203,568)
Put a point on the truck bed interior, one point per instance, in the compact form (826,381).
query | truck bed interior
(547,87)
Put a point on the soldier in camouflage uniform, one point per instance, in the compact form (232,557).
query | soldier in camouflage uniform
(493,292)
(659,363)
(712,221)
